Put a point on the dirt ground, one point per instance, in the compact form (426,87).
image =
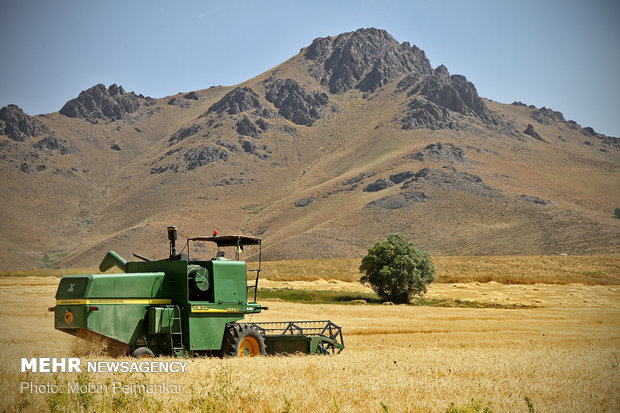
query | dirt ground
(562,355)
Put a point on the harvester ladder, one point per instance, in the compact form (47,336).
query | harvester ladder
(176,333)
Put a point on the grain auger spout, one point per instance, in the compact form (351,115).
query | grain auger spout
(112,259)
(184,305)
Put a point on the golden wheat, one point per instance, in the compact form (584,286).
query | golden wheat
(562,356)
(546,269)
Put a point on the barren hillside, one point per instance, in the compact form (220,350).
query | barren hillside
(355,136)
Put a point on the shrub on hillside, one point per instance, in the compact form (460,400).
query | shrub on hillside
(395,270)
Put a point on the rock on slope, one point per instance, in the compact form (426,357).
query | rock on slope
(355,136)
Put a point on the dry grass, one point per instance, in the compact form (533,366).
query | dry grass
(545,269)
(589,270)
(48,272)
(563,356)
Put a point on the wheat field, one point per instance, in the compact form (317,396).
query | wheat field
(524,269)
(562,355)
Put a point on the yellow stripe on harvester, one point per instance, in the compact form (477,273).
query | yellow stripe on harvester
(205,309)
(78,301)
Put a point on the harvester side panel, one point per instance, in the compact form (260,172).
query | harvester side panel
(228,298)
(112,305)
(229,280)
(124,323)
(206,331)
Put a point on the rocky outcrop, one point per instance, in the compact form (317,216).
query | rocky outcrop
(248,146)
(99,103)
(204,155)
(408,81)
(17,125)
(449,178)
(530,131)
(192,96)
(51,143)
(261,151)
(241,99)
(416,185)
(378,185)
(440,152)
(394,62)
(193,158)
(547,116)
(295,103)
(398,201)
(421,113)
(365,58)
(263,125)
(454,93)
(175,101)
(184,133)
(304,202)
(246,127)
(401,177)
(535,199)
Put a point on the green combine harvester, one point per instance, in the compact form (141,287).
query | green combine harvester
(183,306)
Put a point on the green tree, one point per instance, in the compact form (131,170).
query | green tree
(395,270)
(617,213)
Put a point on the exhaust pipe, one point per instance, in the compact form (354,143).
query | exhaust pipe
(172,237)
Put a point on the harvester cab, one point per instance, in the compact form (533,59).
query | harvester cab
(183,305)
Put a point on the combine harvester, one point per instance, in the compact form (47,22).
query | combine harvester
(183,306)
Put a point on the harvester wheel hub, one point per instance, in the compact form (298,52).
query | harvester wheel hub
(241,340)
(249,347)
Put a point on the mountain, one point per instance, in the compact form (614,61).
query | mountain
(354,137)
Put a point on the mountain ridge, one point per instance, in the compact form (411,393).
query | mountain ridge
(355,136)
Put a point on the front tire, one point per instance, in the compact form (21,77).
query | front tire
(241,340)
(143,353)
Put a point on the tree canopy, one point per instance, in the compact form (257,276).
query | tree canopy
(396,270)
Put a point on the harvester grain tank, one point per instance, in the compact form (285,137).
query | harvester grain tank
(183,305)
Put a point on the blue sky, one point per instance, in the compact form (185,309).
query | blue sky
(560,54)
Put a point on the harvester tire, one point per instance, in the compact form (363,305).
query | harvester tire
(241,340)
(142,353)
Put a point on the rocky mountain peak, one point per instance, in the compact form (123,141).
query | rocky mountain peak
(453,92)
(17,125)
(442,71)
(365,59)
(98,102)
(241,99)
(295,103)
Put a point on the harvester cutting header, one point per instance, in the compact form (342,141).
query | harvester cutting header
(183,305)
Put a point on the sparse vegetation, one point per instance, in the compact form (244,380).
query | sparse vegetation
(617,213)
(529,404)
(253,209)
(296,295)
(543,269)
(48,260)
(474,406)
(83,222)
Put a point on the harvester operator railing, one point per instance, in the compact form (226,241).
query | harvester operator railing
(237,241)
